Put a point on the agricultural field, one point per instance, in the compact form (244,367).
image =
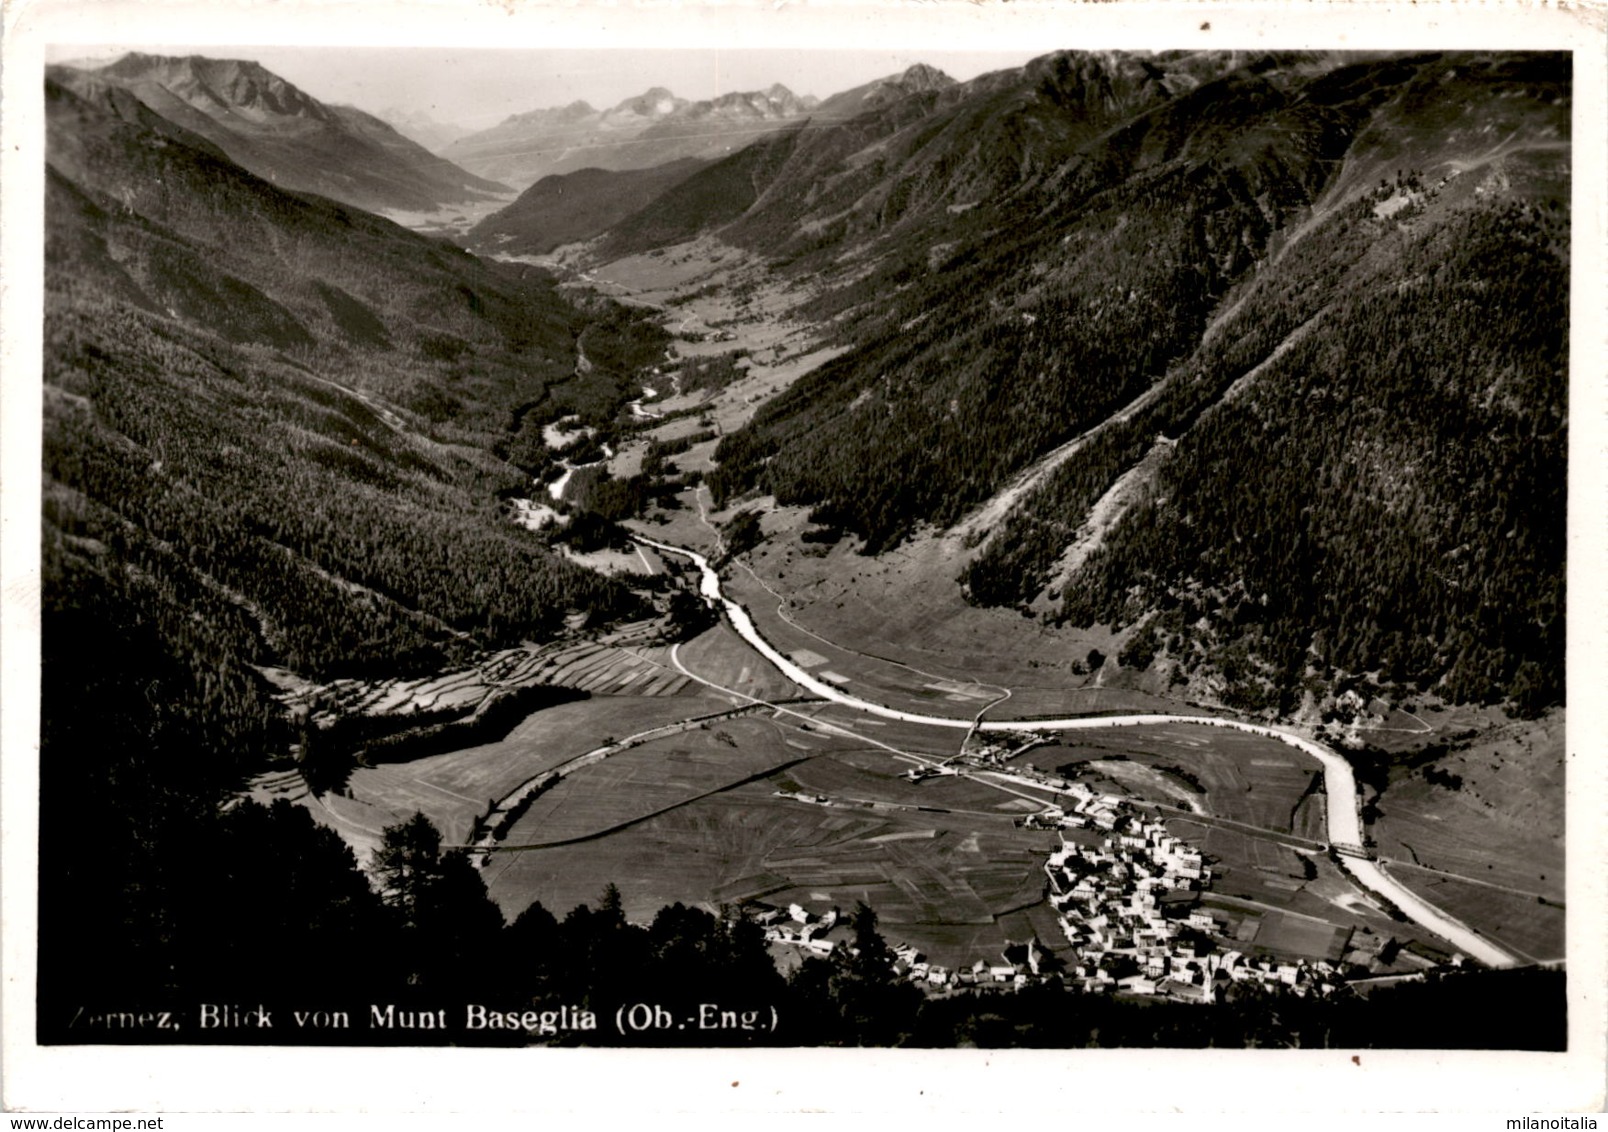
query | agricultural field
(723,658)
(1242,777)
(1494,812)
(1294,904)
(634,563)
(1301,937)
(680,526)
(1309,819)
(623,660)
(1139,780)
(928,740)
(874,778)
(1523,924)
(881,680)
(644,670)
(453,789)
(933,878)
(698,457)
(903,606)
(1245,866)
(547,738)
(660,774)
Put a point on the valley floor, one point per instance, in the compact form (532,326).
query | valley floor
(735,782)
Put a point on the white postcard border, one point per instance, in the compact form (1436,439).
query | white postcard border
(1073,1085)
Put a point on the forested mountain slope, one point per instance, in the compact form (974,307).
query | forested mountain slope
(286,136)
(564,208)
(284,410)
(1374,249)
(270,435)
(673,140)
(923,161)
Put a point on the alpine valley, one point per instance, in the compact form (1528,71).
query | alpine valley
(1073,556)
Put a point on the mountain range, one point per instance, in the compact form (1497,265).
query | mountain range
(1065,290)
(563,208)
(649,129)
(284,135)
(1360,261)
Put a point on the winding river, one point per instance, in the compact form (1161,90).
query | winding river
(1344,825)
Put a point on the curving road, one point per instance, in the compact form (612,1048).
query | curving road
(1344,825)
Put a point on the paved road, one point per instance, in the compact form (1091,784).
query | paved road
(1345,827)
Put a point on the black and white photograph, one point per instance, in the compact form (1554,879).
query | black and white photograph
(939,545)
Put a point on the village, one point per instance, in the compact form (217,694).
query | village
(1127,895)
(1130,908)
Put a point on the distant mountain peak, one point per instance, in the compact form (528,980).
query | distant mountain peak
(574,112)
(775,102)
(922,76)
(140,65)
(918,78)
(232,84)
(272,128)
(640,132)
(655,102)
(422,127)
(140,62)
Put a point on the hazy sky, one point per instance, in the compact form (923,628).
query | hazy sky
(480,87)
